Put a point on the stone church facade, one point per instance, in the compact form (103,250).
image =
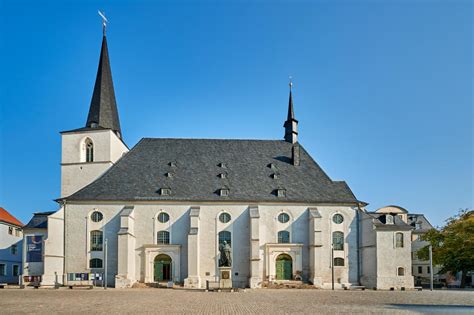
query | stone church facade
(163,208)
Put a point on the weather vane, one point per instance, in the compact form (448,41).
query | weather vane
(104,21)
(291,81)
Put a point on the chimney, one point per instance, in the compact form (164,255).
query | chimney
(295,154)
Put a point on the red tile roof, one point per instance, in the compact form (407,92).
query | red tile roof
(5,216)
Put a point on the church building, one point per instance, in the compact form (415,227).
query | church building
(167,210)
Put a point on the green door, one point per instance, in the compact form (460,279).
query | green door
(284,267)
(162,267)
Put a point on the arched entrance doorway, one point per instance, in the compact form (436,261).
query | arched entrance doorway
(162,268)
(284,267)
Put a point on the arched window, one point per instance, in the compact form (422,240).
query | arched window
(283,237)
(95,263)
(401,271)
(89,150)
(399,240)
(338,261)
(338,240)
(96,240)
(225,236)
(163,237)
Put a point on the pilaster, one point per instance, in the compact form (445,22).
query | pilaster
(255,261)
(315,246)
(193,280)
(126,249)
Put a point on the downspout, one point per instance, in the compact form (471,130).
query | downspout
(358,243)
(64,245)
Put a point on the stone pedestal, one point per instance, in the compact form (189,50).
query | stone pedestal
(225,277)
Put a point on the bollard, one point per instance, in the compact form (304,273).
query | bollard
(207,285)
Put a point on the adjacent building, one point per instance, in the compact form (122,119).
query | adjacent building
(164,210)
(10,247)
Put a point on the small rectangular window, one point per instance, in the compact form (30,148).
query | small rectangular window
(281,193)
(428,270)
(224,192)
(16,271)
(14,249)
(17,232)
(165,191)
(3,270)
(420,270)
(10,230)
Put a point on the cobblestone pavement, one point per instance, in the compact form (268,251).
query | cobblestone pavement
(263,301)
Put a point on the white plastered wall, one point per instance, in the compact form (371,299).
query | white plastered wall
(75,172)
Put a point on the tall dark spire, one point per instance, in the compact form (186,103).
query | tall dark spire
(103,110)
(291,124)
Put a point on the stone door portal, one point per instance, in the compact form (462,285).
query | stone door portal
(284,267)
(162,268)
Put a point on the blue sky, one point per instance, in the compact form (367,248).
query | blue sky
(382,90)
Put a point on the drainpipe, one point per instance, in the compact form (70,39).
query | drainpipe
(358,243)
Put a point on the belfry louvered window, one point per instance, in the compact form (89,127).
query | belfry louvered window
(96,240)
(89,151)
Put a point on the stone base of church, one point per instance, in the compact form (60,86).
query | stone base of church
(122,282)
(255,282)
(192,282)
(317,282)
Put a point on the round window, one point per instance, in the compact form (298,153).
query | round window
(283,217)
(97,216)
(338,218)
(224,217)
(163,217)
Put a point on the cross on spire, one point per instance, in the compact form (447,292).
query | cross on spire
(104,21)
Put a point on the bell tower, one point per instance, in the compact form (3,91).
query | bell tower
(89,151)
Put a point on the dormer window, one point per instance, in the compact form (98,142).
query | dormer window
(223,165)
(94,125)
(165,191)
(223,175)
(89,150)
(417,226)
(224,192)
(281,192)
(169,174)
(272,166)
(275,175)
(172,164)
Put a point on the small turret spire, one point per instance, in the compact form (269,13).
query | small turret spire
(291,124)
(103,109)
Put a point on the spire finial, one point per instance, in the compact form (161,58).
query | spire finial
(291,124)
(104,21)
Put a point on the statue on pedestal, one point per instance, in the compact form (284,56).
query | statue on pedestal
(225,260)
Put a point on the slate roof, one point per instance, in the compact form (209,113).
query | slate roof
(103,110)
(6,217)
(39,220)
(142,172)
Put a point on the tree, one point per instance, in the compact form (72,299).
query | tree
(453,245)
